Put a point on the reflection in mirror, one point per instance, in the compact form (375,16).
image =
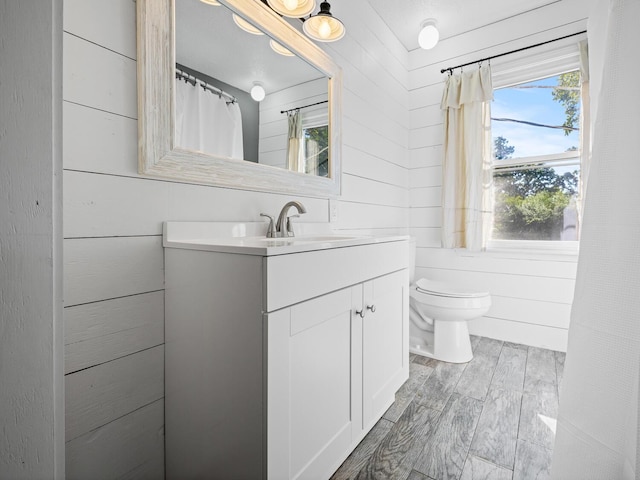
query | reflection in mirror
(219,58)
(161,157)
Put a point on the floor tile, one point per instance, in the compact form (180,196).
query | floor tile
(417,476)
(477,469)
(476,379)
(360,456)
(538,415)
(497,430)
(444,454)
(493,418)
(437,389)
(541,366)
(397,452)
(533,462)
(509,373)
(417,376)
(426,361)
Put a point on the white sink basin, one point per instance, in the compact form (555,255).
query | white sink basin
(307,239)
(242,238)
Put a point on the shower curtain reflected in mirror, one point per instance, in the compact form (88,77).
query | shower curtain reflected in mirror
(207,122)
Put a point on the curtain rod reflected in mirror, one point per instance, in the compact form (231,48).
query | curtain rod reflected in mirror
(304,106)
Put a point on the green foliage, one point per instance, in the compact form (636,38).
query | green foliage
(567,93)
(501,148)
(320,135)
(530,202)
(536,217)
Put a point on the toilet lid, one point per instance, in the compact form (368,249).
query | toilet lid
(446,290)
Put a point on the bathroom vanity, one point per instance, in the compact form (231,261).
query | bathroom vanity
(281,354)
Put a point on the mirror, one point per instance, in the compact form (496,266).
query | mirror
(163,153)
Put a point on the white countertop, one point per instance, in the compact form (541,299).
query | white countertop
(249,238)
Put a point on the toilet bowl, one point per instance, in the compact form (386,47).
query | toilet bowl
(438,316)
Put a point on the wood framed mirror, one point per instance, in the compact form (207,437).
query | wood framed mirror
(159,154)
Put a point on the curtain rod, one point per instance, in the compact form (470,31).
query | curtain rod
(192,79)
(450,69)
(304,106)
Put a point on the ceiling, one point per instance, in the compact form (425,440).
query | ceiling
(453,16)
(207,40)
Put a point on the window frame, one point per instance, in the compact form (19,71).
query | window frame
(554,60)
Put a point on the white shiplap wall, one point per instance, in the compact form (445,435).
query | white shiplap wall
(531,294)
(113,258)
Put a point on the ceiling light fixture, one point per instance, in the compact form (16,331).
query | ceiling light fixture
(429,34)
(257,92)
(213,3)
(276,47)
(246,26)
(293,8)
(324,27)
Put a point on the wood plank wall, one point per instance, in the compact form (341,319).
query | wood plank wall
(531,294)
(113,257)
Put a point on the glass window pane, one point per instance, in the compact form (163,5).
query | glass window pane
(536,203)
(316,148)
(523,116)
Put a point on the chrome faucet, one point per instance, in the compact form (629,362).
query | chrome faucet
(283,225)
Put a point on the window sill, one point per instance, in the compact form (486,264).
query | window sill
(528,250)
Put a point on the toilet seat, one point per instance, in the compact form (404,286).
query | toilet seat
(448,302)
(442,289)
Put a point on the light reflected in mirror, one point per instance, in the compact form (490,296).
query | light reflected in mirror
(219,59)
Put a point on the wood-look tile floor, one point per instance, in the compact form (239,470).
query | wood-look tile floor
(492,418)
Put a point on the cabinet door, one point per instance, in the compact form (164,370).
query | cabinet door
(309,371)
(384,342)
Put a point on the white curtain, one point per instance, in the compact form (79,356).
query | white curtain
(207,122)
(295,162)
(466,188)
(597,429)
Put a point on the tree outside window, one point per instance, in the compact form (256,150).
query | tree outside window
(535,196)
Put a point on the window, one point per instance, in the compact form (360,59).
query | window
(315,133)
(536,163)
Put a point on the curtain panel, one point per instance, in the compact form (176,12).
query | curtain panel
(598,427)
(294,148)
(466,183)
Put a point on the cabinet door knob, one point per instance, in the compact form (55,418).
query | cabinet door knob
(361,313)
(372,308)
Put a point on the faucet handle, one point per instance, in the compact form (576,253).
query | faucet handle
(290,232)
(271,229)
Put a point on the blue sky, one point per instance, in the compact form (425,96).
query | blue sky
(534,105)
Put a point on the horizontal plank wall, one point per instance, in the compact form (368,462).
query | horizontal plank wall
(375,134)
(114,269)
(531,295)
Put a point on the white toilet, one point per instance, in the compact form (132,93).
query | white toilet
(438,315)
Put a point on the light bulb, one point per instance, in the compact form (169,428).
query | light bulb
(429,35)
(293,8)
(291,4)
(257,92)
(324,29)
